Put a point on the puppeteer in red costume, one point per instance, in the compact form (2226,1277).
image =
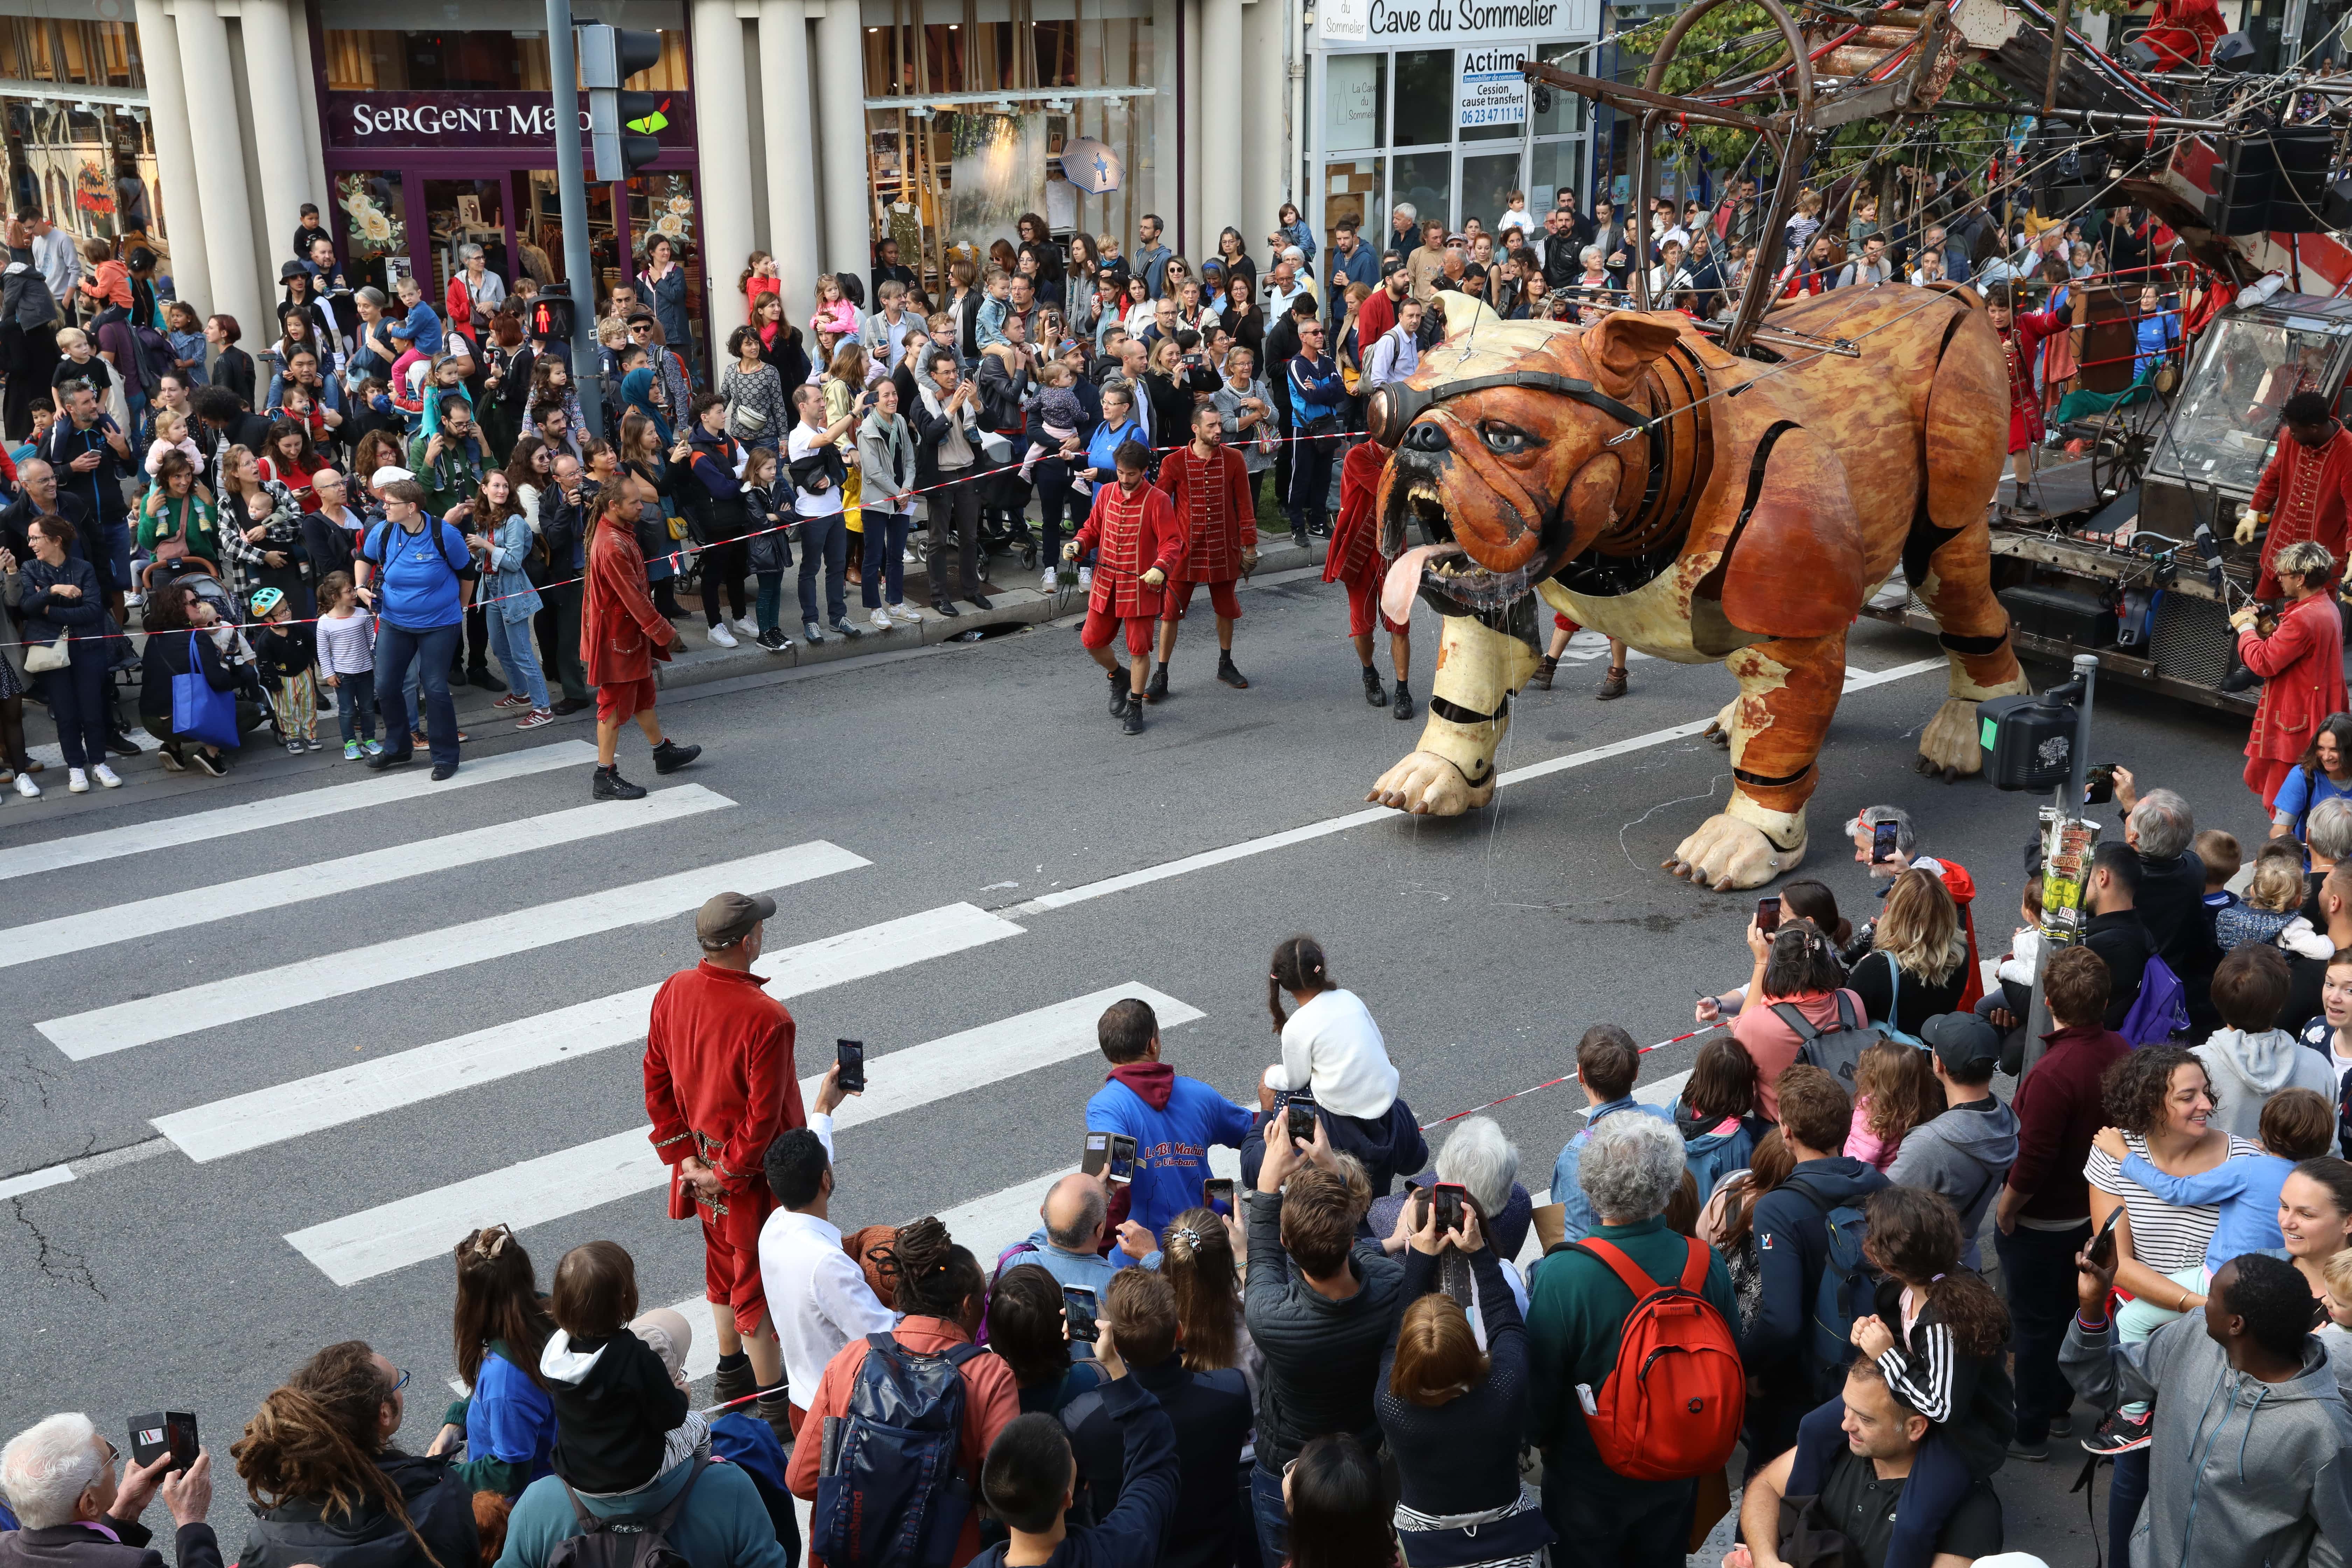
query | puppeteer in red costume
(2305,490)
(2022,335)
(2183,31)
(1208,484)
(1138,543)
(2301,664)
(1355,559)
(720,1086)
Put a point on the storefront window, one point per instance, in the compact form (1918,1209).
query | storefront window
(661,207)
(380,60)
(459,213)
(1355,101)
(375,225)
(1552,165)
(1566,115)
(1353,190)
(539,228)
(1487,181)
(1424,98)
(1426,180)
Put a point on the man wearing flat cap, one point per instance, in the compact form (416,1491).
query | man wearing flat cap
(719,1085)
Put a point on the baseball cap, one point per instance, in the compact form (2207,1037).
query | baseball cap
(388,475)
(727,918)
(1963,1042)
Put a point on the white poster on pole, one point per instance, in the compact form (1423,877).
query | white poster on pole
(1492,91)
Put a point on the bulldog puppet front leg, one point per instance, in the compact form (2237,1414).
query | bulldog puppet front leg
(1452,769)
(1788,690)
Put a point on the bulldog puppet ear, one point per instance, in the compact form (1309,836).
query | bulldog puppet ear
(1618,345)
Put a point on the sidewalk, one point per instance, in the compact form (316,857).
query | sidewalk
(696,662)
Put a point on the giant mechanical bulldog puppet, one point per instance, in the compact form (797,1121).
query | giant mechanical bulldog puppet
(1700,507)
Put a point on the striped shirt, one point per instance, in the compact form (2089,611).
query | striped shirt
(2165,1237)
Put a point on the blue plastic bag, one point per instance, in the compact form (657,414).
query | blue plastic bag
(198,712)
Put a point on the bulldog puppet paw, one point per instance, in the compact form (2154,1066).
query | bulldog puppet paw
(1726,853)
(1426,785)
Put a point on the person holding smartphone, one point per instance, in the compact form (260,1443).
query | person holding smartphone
(1886,844)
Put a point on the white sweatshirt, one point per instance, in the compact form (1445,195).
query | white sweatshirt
(1332,1046)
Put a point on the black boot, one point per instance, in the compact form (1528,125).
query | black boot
(1545,666)
(1118,694)
(1131,721)
(1227,673)
(1156,688)
(669,756)
(1373,693)
(609,784)
(1402,707)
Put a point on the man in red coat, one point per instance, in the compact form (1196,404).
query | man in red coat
(1138,543)
(621,636)
(2303,491)
(1208,485)
(2021,333)
(1356,559)
(2301,664)
(718,1087)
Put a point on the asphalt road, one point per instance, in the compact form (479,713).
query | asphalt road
(285,1211)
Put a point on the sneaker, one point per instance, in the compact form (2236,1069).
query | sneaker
(512,699)
(720,636)
(351,753)
(2033,1453)
(293,747)
(812,633)
(882,621)
(746,626)
(373,748)
(107,777)
(27,787)
(848,629)
(172,764)
(1086,579)
(207,763)
(312,743)
(905,614)
(2062,1426)
(669,756)
(2120,1434)
(76,781)
(1048,584)
(535,718)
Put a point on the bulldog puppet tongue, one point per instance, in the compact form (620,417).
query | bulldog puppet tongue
(1403,580)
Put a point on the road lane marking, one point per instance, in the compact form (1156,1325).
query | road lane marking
(303,806)
(239,997)
(414,1229)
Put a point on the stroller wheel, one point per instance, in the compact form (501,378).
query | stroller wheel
(1028,557)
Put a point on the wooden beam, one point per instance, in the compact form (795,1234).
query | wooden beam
(1621,95)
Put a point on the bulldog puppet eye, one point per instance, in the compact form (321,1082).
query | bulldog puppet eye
(1506,440)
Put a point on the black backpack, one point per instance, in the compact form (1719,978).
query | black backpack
(623,1542)
(1838,1051)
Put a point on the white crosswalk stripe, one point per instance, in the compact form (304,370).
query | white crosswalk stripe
(235,998)
(393,863)
(272,1115)
(410,1230)
(280,811)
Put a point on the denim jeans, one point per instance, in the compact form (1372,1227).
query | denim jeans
(1273,1519)
(396,648)
(355,706)
(885,559)
(2037,1273)
(511,646)
(825,546)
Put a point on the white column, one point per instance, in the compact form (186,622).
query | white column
(726,162)
(1159,193)
(305,97)
(175,155)
(271,73)
(841,114)
(1266,120)
(227,213)
(1220,182)
(791,140)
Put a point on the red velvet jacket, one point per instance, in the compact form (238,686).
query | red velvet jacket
(1212,500)
(2302,666)
(1355,550)
(1129,536)
(719,1077)
(2304,490)
(621,633)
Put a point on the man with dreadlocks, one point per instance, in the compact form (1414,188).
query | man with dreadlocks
(2303,494)
(329,1489)
(938,1288)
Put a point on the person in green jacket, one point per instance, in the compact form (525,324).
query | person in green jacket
(1576,1311)
(173,510)
(448,463)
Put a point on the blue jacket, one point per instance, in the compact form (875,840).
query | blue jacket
(421,331)
(1564,1190)
(1710,1155)
(416,581)
(510,1418)
(1792,1245)
(1171,1143)
(1316,389)
(511,583)
(1363,266)
(723,1525)
(2245,1188)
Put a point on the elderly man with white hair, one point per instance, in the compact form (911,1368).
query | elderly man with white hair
(1628,1171)
(2171,898)
(78,1503)
(1478,1157)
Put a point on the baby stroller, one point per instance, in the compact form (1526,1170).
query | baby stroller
(238,656)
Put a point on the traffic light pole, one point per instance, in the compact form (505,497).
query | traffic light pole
(2069,805)
(571,190)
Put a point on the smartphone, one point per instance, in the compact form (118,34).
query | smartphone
(1298,1106)
(1882,842)
(2102,1245)
(1217,1194)
(1097,1153)
(1122,1157)
(851,1055)
(160,1430)
(1767,914)
(2099,784)
(1078,1312)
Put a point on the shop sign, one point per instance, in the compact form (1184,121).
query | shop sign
(478,119)
(1493,91)
(1421,24)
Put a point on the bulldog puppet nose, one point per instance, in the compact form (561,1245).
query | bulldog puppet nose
(1424,437)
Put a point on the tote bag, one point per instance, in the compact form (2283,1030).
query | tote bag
(198,712)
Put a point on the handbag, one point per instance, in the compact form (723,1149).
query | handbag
(198,712)
(1323,433)
(41,657)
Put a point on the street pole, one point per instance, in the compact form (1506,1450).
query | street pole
(2069,805)
(571,190)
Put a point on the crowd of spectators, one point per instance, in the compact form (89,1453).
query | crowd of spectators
(1854,1269)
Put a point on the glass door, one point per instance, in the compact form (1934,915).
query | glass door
(460,212)
(1486,184)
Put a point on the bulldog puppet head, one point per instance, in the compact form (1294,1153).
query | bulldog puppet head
(1502,442)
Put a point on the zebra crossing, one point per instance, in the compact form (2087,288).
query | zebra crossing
(353,1242)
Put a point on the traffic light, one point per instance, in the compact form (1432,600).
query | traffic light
(609,57)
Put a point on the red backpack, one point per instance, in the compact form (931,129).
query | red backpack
(1672,1407)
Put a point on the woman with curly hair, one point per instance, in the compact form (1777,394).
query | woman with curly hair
(940,1290)
(328,1488)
